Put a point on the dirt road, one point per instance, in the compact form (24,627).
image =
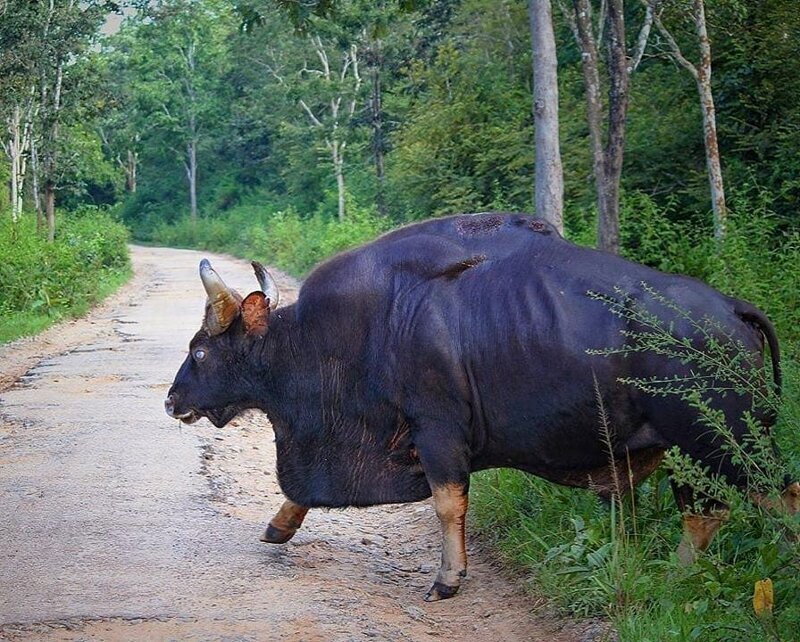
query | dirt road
(120,524)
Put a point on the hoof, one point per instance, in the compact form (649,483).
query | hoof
(276,536)
(440,591)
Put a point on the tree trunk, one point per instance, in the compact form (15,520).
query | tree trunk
(17,149)
(191,175)
(37,200)
(549,181)
(50,165)
(337,155)
(15,152)
(130,171)
(594,103)
(718,207)
(702,76)
(608,220)
(376,119)
(50,209)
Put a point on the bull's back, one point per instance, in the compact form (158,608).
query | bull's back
(494,308)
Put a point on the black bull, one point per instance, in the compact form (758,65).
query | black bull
(450,346)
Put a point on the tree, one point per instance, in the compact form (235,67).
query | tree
(176,56)
(607,156)
(63,29)
(334,92)
(18,92)
(701,72)
(119,127)
(549,180)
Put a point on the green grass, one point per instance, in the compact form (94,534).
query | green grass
(14,325)
(579,555)
(41,282)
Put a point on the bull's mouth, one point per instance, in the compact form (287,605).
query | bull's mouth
(217,417)
(188,417)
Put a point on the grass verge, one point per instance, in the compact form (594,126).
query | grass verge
(41,282)
(14,325)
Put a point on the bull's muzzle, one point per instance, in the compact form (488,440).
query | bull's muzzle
(187,417)
(169,405)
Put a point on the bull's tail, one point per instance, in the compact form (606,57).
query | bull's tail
(755,316)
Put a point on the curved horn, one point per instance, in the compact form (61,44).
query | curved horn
(267,284)
(223,304)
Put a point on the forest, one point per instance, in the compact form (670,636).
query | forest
(285,132)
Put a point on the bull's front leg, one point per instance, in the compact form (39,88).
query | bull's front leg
(284,525)
(450,501)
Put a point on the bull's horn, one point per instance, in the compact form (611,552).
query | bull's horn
(267,284)
(223,304)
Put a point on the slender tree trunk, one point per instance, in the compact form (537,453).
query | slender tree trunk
(17,149)
(15,153)
(50,209)
(337,156)
(549,181)
(191,177)
(702,76)
(608,222)
(376,120)
(594,102)
(130,171)
(713,163)
(50,165)
(35,188)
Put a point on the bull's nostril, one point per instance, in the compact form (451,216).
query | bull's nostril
(169,405)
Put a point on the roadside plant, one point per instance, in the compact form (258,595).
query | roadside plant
(760,543)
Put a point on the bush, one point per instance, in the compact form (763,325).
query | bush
(281,238)
(63,277)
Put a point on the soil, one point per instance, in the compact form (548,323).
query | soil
(119,523)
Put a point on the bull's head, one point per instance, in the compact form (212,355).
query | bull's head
(213,381)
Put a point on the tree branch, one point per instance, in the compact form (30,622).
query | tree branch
(310,113)
(644,34)
(675,50)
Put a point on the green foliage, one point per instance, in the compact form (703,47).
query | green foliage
(467,141)
(41,282)
(758,260)
(282,238)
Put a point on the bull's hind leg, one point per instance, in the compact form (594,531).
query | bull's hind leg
(791,498)
(451,501)
(700,527)
(284,525)
(698,532)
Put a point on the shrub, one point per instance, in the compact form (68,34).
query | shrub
(282,238)
(63,277)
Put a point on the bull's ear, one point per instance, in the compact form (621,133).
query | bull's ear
(255,314)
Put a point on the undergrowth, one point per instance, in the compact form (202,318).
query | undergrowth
(281,238)
(42,282)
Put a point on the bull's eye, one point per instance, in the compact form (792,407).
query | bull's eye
(199,354)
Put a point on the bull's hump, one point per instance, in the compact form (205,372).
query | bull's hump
(489,223)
